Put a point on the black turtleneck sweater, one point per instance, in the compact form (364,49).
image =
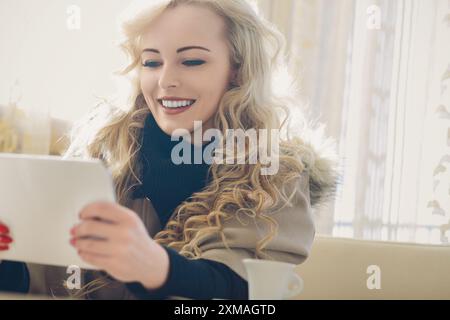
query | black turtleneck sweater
(166,185)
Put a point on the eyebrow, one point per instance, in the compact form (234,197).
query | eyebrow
(179,50)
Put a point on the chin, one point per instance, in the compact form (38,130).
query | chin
(170,127)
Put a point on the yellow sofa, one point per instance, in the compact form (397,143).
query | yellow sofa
(340,268)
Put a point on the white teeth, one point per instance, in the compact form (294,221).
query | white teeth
(177,104)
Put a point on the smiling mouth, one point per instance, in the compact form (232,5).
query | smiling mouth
(175,108)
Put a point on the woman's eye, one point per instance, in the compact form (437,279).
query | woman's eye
(150,64)
(194,62)
(189,63)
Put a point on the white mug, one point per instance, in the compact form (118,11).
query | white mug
(272,280)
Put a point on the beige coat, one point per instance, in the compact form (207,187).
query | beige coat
(292,244)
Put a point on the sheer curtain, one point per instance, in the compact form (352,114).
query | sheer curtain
(378,74)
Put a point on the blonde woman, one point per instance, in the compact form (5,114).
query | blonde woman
(184,229)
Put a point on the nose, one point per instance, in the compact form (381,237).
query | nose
(168,78)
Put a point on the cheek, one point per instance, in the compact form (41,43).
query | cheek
(147,82)
(214,90)
(147,85)
(213,94)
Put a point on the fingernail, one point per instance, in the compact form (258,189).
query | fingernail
(4,248)
(5,239)
(72,231)
(3,229)
(73,241)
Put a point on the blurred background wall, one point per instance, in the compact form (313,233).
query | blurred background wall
(60,66)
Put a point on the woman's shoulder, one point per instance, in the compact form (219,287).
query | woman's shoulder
(320,173)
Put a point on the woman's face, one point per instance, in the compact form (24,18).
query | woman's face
(172,68)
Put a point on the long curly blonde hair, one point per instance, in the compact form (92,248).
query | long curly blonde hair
(257,50)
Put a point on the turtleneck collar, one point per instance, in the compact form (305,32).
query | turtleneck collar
(165,183)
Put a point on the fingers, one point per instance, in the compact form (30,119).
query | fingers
(3,229)
(5,239)
(109,212)
(100,248)
(93,228)
(94,259)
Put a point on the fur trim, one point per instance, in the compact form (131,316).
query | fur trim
(322,164)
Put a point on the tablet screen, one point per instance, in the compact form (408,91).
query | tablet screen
(40,198)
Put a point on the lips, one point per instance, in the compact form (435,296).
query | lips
(172,111)
(160,102)
(175,99)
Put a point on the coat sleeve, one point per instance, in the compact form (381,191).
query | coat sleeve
(291,244)
(14,277)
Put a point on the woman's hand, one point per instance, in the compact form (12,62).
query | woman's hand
(5,239)
(114,239)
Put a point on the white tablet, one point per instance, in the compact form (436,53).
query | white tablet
(40,198)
